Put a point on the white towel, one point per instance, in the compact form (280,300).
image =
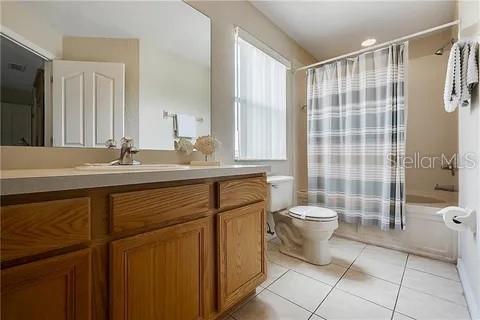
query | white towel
(464,93)
(471,77)
(186,126)
(452,92)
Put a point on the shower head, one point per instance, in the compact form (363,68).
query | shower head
(441,50)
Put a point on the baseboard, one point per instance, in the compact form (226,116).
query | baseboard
(472,303)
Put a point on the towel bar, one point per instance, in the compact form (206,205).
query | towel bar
(167,114)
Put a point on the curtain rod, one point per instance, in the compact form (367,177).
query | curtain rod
(384,44)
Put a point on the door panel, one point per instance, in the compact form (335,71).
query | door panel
(88,103)
(241,252)
(73,109)
(161,274)
(57,288)
(103,105)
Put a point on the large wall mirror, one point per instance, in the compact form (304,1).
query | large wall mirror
(76,74)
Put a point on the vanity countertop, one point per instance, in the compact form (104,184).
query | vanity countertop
(24,181)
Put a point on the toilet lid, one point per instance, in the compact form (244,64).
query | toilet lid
(312,213)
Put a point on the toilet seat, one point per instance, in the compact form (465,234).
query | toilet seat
(312,213)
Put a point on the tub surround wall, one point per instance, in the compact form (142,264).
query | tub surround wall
(431,131)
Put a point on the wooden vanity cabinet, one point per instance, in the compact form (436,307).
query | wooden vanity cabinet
(56,288)
(241,252)
(182,250)
(161,274)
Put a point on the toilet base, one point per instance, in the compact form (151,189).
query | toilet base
(318,253)
(294,244)
(319,259)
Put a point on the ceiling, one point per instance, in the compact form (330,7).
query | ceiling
(171,26)
(330,28)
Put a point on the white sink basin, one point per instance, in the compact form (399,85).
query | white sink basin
(134,167)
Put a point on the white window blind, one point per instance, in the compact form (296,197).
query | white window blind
(260,102)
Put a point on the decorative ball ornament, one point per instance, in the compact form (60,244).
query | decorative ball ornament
(206,145)
(185,145)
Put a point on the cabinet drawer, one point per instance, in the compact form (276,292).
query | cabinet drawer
(240,192)
(138,209)
(33,228)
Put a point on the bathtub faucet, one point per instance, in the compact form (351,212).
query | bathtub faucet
(450,166)
(447,187)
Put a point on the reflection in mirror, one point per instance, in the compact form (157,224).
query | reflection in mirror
(81,73)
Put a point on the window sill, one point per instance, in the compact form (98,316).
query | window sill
(251,160)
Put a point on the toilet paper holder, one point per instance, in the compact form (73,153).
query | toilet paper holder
(459,219)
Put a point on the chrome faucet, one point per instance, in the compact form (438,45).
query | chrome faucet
(450,166)
(127,151)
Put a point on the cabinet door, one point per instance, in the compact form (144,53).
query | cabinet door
(161,274)
(241,242)
(56,288)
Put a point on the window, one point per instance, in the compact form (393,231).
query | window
(260,100)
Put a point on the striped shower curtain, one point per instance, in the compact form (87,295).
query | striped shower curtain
(356,137)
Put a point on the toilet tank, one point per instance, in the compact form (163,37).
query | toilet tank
(280,192)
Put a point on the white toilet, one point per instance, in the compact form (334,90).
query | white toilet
(303,231)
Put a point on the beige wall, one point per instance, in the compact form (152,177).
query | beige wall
(112,50)
(28,25)
(51,158)
(431,131)
(224,17)
(172,83)
(301,169)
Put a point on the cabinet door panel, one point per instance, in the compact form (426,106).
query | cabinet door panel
(161,274)
(241,252)
(57,288)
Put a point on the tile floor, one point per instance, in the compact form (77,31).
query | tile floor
(363,282)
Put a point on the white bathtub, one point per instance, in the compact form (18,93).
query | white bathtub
(425,232)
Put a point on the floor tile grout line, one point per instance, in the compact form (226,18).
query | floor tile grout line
(403,314)
(316,315)
(341,277)
(433,274)
(428,293)
(244,303)
(313,278)
(266,288)
(336,264)
(289,300)
(277,278)
(363,298)
(432,295)
(400,287)
(376,277)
